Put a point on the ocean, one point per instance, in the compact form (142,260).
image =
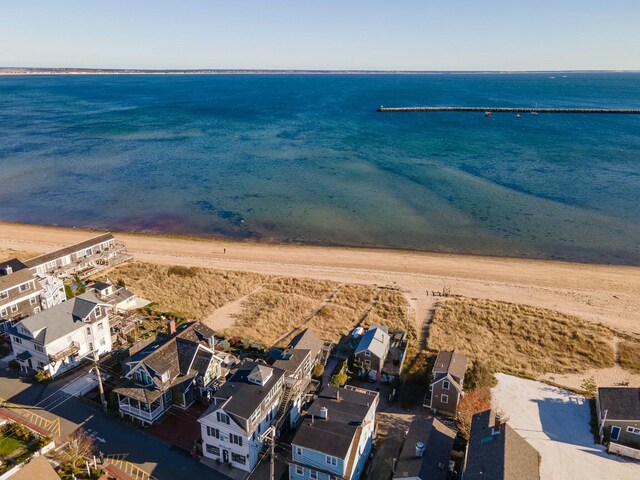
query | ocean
(307,159)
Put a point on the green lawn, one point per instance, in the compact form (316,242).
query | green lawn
(8,445)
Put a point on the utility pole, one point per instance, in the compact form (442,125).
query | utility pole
(269,435)
(100,387)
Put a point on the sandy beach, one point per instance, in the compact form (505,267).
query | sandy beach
(600,293)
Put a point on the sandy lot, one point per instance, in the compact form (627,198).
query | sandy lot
(556,423)
(602,293)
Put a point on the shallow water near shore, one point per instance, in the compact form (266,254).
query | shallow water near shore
(305,158)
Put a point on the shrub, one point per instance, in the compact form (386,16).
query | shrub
(121,283)
(42,376)
(480,375)
(14,364)
(589,385)
(224,345)
(318,370)
(181,271)
(339,379)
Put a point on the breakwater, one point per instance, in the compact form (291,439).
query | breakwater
(623,111)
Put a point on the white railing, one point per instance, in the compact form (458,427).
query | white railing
(140,412)
(617,449)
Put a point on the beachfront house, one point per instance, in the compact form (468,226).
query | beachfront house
(618,410)
(373,348)
(19,293)
(426,451)
(59,338)
(235,425)
(446,387)
(81,258)
(298,364)
(336,435)
(173,371)
(121,299)
(497,452)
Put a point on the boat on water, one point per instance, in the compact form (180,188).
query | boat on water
(487,114)
(534,113)
(518,116)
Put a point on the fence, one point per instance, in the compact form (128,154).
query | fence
(52,426)
(119,462)
(618,449)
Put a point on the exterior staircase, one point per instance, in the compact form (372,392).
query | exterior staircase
(284,407)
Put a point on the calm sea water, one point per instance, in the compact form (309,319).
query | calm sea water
(295,158)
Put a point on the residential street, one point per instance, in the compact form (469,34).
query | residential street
(113,436)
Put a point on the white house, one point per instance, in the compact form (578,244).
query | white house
(242,410)
(57,339)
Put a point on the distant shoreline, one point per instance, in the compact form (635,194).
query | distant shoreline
(134,71)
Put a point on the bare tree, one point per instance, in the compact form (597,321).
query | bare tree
(81,446)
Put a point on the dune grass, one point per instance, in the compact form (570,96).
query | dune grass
(193,292)
(630,356)
(520,339)
(391,310)
(7,253)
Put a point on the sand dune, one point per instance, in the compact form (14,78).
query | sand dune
(601,293)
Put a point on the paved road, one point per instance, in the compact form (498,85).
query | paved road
(112,435)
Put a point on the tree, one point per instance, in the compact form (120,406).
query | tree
(473,401)
(589,385)
(81,446)
(318,370)
(479,376)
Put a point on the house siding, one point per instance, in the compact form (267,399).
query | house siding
(626,438)
(376,362)
(451,406)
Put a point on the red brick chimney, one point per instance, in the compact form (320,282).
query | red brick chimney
(171,327)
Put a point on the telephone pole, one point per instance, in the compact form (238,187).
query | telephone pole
(100,386)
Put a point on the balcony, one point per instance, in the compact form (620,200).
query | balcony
(143,411)
(70,350)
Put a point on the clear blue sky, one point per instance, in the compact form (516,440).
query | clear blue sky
(322,34)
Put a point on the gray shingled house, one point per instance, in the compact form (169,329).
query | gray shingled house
(175,370)
(618,410)
(497,452)
(19,293)
(447,379)
(373,348)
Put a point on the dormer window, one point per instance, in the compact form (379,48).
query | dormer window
(24,287)
(222,418)
(165,376)
(98,311)
(143,377)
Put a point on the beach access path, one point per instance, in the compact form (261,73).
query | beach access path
(600,293)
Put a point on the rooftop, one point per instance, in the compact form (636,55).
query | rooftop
(20,274)
(437,439)
(620,403)
(376,340)
(47,257)
(499,452)
(452,362)
(346,410)
(307,340)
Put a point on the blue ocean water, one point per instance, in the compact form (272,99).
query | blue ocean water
(306,158)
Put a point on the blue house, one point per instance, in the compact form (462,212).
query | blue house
(335,438)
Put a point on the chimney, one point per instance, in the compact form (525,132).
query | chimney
(324,413)
(419,449)
(7,270)
(171,327)
(496,424)
(338,394)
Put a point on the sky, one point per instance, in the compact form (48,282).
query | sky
(322,34)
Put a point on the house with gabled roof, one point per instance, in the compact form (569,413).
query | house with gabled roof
(174,371)
(426,451)
(618,410)
(19,293)
(373,348)
(446,386)
(57,339)
(335,438)
(497,452)
(234,426)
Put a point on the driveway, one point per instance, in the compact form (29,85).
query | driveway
(556,423)
(113,436)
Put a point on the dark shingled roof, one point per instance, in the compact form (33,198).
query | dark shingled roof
(307,340)
(502,456)
(47,257)
(334,435)
(244,397)
(621,403)
(21,274)
(291,359)
(438,441)
(453,363)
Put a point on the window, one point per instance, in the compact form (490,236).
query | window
(222,417)
(98,311)
(367,353)
(212,449)
(634,430)
(3,312)
(38,348)
(24,287)
(165,376)
(17,340)
(367,362)
(237,439)
(4,295)
(446,385)
(298,451)
(238,458)
(90,347)
(313,474)
(88,330)
(299,470)
(36,310)
(103,342)
(40,364)
(33,301)
(444,398)
(213,432)
(14,308)
(100,327)
(333,461)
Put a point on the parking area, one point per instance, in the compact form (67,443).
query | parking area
(179,427)
(556,423)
